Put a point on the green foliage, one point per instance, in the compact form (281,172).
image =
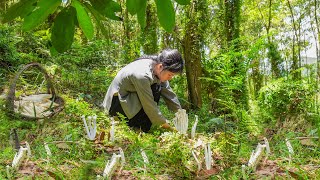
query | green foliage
(83,74)
(282,98)
(45,7)
(141,13)
(165,12)
(226,80)
(230,144)
(133,6)
(20,9)
(275,59)
(175,151)
(84,20)
(149,36)
(7,123)
(34,13)
(77,107)
(107,8)
(138,7)
(98,19)
(183,2)
(63,29)
(8,53)
(86,70)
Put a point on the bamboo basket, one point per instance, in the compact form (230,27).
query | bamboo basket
(54,98)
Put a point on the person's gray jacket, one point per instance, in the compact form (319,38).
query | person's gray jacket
(132,85)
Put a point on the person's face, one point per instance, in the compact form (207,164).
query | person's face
(166,75)
(163,75)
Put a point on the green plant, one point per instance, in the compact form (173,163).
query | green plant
(69,15)
(282,98)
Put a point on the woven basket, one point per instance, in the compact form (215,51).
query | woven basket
(50,90)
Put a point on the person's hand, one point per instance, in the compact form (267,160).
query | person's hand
(168,127)
(173,129)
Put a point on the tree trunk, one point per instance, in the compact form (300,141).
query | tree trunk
(232,21)
(275,59)
(192,51)
(257,76)
(317,36)
(149,35)
(295,60)
(127,39)
(273,53)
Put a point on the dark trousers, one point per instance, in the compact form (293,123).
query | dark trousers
(140,120)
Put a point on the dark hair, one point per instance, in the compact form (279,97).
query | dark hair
(171,60)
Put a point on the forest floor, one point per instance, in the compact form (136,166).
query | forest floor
(73,156)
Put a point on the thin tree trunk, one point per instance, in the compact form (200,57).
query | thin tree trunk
(317,39)
(149,35)
(273,53)
(317,36)
(299,40)
(257,77)
(295,38)
(127,39)
(232,21)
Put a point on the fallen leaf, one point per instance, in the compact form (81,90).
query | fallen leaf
(100,138)
(308,142)
(123,175)
(294,175)
(63,145)
(205,174)
(73,163)
(30,169)
(54,175)
(269,169)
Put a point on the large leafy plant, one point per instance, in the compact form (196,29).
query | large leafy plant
(69,14)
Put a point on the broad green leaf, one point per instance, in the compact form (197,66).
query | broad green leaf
(22,8)
(135,6)
(165,12)
(98,5)
(107,8)
(44,8)
(183,2)
(141,14)
(99,19)
(53,51)
(111,8)
(63,29)
(132,6)
(84,19)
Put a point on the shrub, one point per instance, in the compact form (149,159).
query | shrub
(281,99)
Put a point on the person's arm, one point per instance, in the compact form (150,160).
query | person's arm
(142,84)
(170,97)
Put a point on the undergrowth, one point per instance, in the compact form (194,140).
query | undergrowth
(74,156)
